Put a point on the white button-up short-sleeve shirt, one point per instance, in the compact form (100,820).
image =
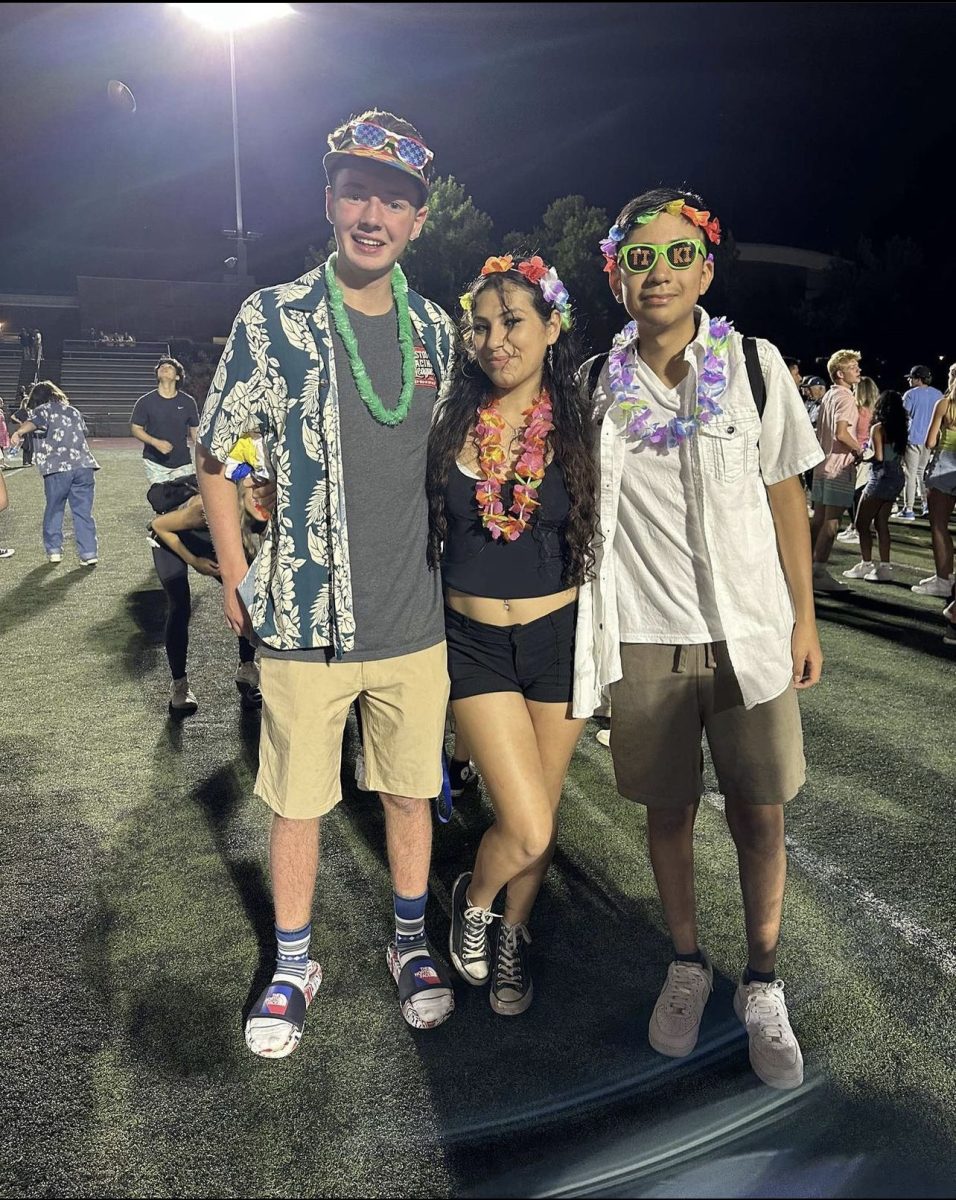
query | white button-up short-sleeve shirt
(733,461)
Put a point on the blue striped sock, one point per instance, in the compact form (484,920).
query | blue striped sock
(292,954)
(410,926)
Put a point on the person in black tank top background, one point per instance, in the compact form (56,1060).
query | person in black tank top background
(512,517)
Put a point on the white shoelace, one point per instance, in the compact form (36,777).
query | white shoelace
(769,1011)
(475,933)
(686,980)
(508,969)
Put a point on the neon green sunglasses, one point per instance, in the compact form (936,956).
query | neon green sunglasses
(637,258)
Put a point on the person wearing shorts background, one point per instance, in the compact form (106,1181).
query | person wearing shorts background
(887,436)
(920,401)
(941,491)
(834,479)
(700,616)
(339,372)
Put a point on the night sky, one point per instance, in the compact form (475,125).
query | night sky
(801,124)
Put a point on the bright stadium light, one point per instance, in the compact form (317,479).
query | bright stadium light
(232,19)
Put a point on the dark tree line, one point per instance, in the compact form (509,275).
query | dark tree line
(868,301)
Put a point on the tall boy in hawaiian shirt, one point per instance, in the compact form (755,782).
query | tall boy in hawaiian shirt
(339,371)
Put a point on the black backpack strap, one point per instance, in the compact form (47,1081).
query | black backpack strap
(594,372)
(758,384)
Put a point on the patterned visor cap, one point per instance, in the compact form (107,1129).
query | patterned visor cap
(370,140)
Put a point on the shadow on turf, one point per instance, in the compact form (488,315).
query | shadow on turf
(42,586)
(868,615)
(218,797)
(135,653)
(154,996)
(599,959)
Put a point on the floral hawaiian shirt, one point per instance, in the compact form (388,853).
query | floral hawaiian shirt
(63,446)
(277,377)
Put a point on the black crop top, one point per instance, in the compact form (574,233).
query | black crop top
(532,565)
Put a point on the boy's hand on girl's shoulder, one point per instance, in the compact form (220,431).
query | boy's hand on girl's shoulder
(807,655)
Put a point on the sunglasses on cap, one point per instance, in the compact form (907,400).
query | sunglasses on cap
(411,151)
(637,258)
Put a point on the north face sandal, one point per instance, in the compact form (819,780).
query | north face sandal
(425,992)
(274,1027)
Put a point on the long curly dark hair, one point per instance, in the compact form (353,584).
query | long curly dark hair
(891,414)
(570,440)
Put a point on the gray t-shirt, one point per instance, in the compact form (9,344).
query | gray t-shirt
(397,600)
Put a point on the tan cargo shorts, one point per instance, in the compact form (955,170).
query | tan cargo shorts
(667,698)
(304,709)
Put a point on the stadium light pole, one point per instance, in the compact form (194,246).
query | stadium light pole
(230,19)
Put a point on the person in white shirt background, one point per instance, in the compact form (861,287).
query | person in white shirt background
(920,402)
(700,616)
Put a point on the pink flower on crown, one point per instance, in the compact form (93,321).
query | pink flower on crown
(533,269)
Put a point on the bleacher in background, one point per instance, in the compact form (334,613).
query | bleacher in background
(104,382)
(11,358)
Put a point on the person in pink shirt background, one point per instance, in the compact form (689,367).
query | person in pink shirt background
(834,479)
(866,395)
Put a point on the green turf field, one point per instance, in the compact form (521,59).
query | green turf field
(136,928)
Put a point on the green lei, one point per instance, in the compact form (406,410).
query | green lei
(385,416)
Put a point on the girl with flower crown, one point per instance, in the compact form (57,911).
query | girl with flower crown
(511,497)
(700,617)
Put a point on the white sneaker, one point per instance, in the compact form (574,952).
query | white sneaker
(823,581)
(603,736)
(860,571)
(88,562)
(881,573)
(930,578)
(774,1050)
(55,557)
(7,553)
(675,1021)
(849,535)
(182,701)
(934,587)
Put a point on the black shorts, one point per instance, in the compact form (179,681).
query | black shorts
(536,660)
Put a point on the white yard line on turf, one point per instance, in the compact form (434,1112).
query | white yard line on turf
(939,952)
(934,948)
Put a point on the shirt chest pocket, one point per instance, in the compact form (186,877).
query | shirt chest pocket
(728,448)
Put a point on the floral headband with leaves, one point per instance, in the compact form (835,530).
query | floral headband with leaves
(536,272)
(675,208)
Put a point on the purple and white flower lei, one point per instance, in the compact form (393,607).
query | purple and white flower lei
(711,385)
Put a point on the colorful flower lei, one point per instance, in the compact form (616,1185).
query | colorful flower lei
(535,271)
(711,385)
(676,208)
(529,469)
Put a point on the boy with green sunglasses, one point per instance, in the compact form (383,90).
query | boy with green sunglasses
(700,617)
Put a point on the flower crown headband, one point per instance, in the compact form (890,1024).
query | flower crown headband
(675,208)
(536,272)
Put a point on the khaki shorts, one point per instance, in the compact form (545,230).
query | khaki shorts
(669,696)
(304,710)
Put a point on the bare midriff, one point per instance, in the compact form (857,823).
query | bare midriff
(491,610)
(523,611)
